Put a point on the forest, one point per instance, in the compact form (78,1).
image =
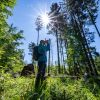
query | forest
(75,75)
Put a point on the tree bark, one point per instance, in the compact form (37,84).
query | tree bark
(58,51)
(38,38)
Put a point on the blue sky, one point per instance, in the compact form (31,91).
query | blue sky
(24,16)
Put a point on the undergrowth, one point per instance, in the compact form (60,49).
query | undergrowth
(52,89)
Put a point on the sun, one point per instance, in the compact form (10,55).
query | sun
(45,19)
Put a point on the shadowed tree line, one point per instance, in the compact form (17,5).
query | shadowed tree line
(71,21)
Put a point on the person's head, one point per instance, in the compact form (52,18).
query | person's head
(42,42)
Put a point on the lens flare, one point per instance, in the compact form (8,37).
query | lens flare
(45,19)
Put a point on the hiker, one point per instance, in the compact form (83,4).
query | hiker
(43,47)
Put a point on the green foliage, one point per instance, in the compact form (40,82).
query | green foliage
(52,89)
(65,89)
(14,88)
(6,7)
(97,62)
(78,35)
(10,55)
(70,90)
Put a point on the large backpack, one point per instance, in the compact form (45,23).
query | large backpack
(35,53)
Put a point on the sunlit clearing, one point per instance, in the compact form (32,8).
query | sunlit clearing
(45,19)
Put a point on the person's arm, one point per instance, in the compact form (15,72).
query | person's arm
(48,46)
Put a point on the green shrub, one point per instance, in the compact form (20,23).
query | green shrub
(14,88)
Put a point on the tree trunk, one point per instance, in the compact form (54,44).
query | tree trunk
(63,60)
(61,53)
(58,52)
(49,63)
(83,45)
(88,50)
(38,38)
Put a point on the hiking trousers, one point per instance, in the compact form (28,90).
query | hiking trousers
(41,73)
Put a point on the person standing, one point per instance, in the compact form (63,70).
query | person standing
(43,47)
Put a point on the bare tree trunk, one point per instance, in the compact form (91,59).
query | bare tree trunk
(51,56)
(49,63)
(61,53)
(62,56)
(63,59)
(38,38)
(58,52)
